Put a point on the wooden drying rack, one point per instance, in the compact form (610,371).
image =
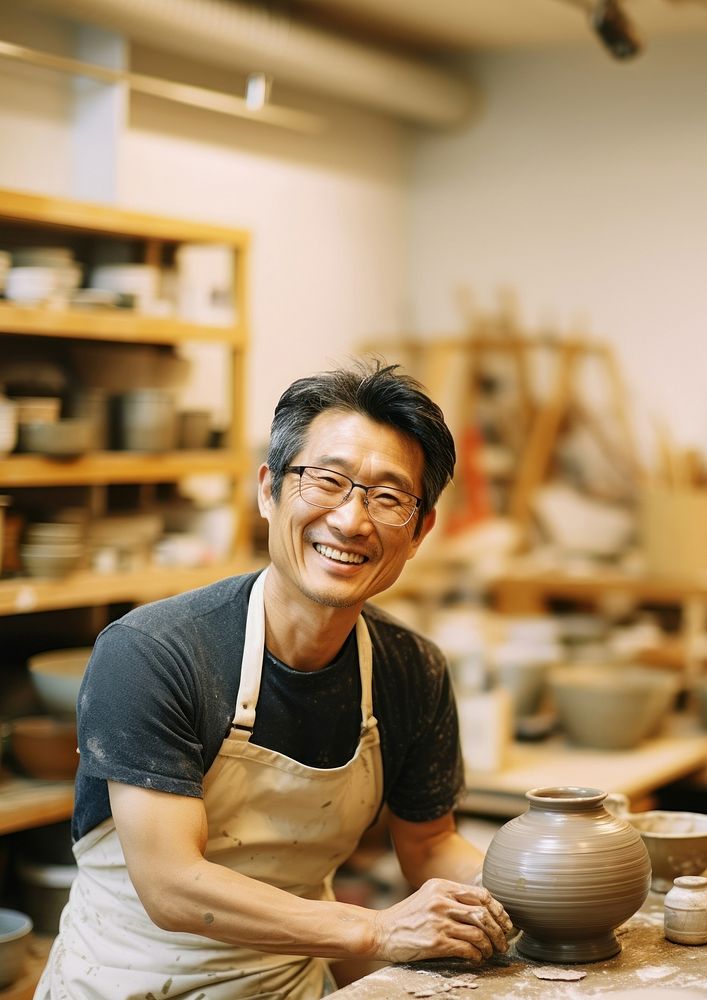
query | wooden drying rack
(450,368)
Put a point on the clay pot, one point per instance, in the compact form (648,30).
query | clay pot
(685,913)
(568,873)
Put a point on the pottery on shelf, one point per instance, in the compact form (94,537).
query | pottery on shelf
(611,706)
(568,872)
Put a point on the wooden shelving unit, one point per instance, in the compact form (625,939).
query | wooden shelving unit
(85,589)
(110,324)
(33,220)
(104,468)
(25,802)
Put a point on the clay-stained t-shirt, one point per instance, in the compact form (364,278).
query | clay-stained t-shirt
(159,695)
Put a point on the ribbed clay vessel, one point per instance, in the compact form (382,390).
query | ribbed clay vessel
(568,872)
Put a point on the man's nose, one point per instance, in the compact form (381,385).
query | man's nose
(352,517)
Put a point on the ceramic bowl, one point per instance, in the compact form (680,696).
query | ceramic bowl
(56,676)
(45,748)
(50,559)
(61,439)
(611,707)
(676,841)
(15,930)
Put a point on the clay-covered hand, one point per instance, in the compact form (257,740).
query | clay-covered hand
(442,919)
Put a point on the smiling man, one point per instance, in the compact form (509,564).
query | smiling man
(238,740)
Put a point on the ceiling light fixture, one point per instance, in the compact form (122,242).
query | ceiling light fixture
(615,30)
(611,26)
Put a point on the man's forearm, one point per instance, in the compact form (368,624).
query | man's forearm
(450,857)
(215,902)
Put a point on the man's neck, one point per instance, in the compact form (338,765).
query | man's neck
(303,634)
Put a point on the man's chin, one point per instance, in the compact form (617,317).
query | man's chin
(327,599)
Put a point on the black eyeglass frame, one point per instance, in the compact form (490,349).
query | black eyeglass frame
(299,470)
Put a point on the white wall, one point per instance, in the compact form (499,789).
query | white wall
(327,213)
(35,108)
(583,187)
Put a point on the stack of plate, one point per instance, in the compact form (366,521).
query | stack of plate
(52,548)
(8,426)
(41,275)
(5,264)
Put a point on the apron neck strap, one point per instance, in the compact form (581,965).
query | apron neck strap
(252,665)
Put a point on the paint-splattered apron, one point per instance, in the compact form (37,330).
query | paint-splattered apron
(270,818)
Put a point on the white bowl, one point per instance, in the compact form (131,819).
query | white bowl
(57,675)
(15,929)
(30,285)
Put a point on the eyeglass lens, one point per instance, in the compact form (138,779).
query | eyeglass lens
(329,489)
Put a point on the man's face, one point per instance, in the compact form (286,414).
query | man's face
(307,543)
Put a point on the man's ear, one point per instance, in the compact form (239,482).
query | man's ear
(427,526)
(265,497)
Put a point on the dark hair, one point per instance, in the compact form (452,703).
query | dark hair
(377,391)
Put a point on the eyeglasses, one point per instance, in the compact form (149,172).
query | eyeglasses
(328,489)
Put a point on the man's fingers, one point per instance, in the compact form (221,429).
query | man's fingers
(479,916)
(480,896)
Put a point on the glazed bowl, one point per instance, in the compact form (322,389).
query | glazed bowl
(611,707)
(45,748)
(15,930)
(56,676)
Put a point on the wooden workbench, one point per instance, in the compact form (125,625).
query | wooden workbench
(646,960)
(680,750)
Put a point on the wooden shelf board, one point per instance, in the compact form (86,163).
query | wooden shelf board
(27,802)
(589,586)
(679,750)
(26,595)
(106,467)
(120,325)
(86,217)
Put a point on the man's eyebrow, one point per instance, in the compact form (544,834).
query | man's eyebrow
(393,478)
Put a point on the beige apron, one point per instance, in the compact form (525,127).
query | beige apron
(270,818)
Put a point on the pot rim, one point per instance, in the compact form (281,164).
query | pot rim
(556,795)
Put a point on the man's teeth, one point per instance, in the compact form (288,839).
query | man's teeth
(346,557)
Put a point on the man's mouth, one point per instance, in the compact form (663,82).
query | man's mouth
(338,556)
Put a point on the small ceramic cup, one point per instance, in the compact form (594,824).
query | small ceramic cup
(685,912)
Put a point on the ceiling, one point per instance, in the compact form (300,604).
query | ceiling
(465,25)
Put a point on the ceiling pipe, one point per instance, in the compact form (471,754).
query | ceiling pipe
(251,39)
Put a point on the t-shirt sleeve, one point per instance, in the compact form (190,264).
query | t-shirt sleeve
(135,714)
(431,777)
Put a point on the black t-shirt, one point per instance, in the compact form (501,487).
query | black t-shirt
(160,689)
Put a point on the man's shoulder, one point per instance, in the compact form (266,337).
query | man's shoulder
(226,597)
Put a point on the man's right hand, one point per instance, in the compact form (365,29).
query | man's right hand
(442,919)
